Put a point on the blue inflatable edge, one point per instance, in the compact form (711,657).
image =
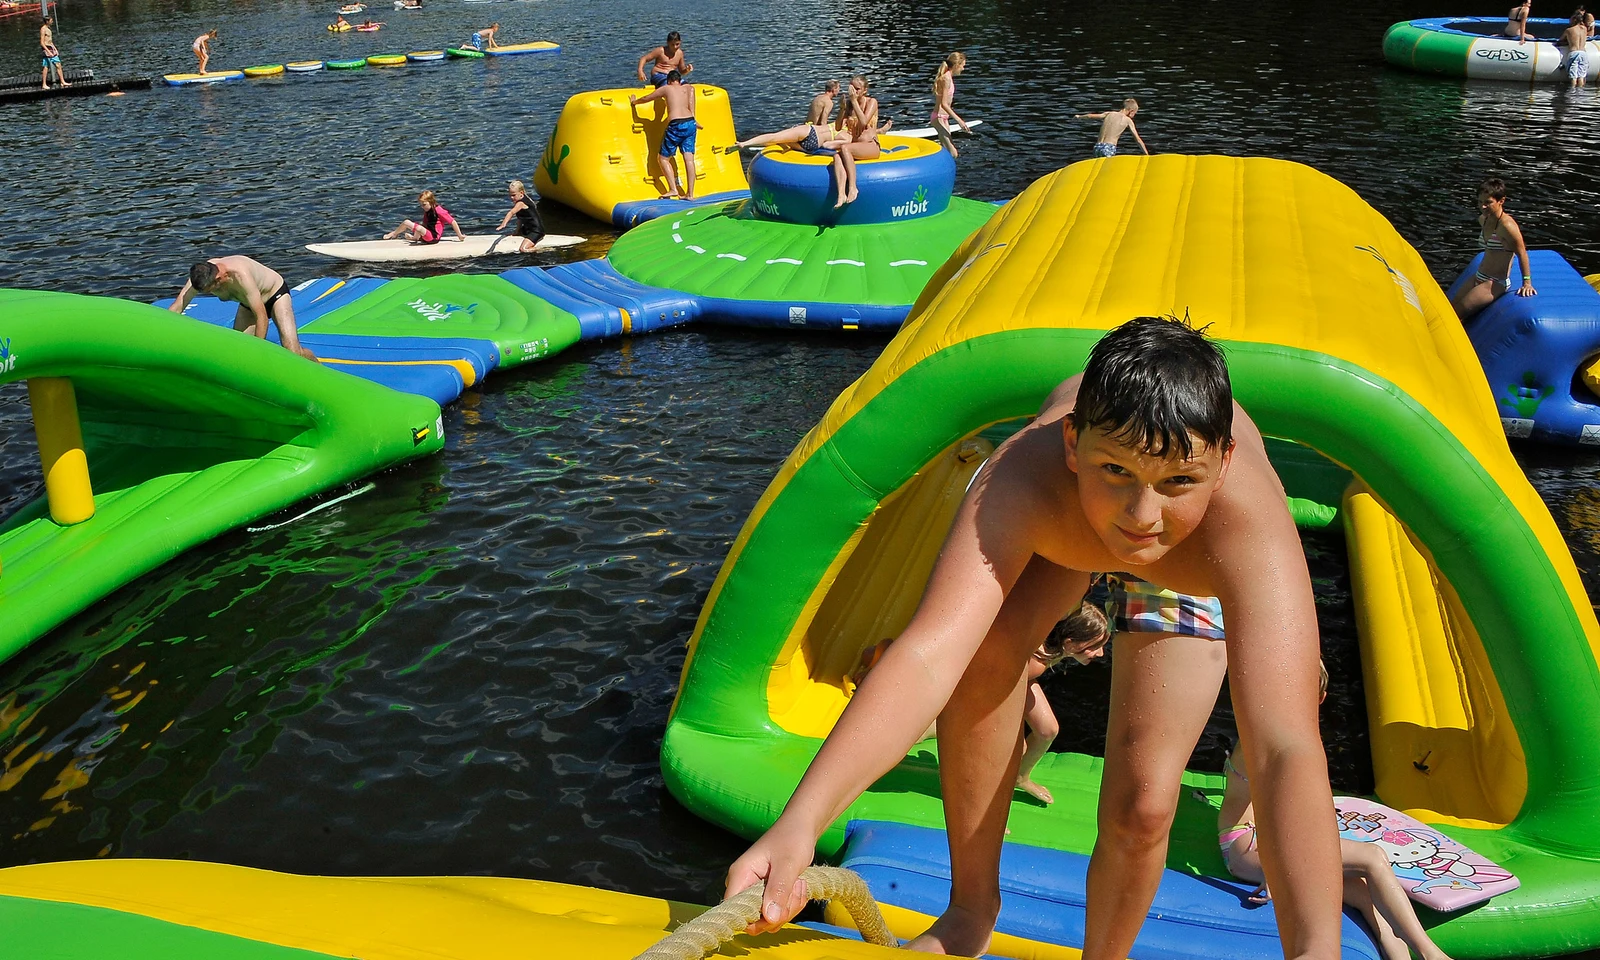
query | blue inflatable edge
(631,213)
(1442,25)
(1531,349)
(1043,891)
(889,191)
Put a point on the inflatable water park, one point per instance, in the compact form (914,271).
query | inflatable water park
(774,252)
(1478,642)
(1386,418)
(1477,47)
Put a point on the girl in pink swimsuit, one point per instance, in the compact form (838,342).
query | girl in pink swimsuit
(1370,885)
(944,95)
(430,229)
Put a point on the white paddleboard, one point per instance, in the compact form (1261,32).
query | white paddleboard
(404,251)
(926,132)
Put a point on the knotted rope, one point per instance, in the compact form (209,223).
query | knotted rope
(700,937)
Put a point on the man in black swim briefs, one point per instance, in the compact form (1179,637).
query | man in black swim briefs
(260,292)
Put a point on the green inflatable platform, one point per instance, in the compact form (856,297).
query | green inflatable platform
(188,430)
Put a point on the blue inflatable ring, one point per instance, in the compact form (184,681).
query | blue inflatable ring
(911,178)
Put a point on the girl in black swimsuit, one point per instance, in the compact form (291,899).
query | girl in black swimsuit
(529,227)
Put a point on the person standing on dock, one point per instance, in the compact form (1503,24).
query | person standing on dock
(202,49)
(49,56)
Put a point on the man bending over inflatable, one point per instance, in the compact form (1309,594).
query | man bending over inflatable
(260,292)
(1145,466)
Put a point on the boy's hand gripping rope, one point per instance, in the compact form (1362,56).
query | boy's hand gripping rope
(702,936)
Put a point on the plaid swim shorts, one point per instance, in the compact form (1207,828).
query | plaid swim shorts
(1139,606)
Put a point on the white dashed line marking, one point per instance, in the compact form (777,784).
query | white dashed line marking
(786,260)
(730,256)
(902,263)
(676,224)
(697,249)
(853,263)
(676,238)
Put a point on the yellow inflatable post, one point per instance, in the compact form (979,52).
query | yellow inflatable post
(66,467)
(602,154)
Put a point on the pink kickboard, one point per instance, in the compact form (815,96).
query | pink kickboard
(1435,870)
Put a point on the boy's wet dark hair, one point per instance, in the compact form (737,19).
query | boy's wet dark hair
(674,38)
(674,76)
(1152,382)
(202,275)
(1494,187)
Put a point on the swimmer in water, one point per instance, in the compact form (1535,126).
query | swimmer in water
(1576,39)
(259,291)
(667,58)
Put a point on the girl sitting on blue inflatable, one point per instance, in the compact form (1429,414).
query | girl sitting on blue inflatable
(1500,238)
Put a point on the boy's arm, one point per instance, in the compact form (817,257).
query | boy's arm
(258,307)
(649,54)
(655,94)
(980,561)
(1272,644)
(1088,116)
(184,296)
(1135,131)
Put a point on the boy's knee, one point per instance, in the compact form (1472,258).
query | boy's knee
(1138,818)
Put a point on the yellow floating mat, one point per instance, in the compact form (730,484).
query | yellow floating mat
(387,60)
(179,910)
(271,70)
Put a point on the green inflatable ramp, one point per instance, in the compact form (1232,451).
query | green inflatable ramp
(157,433)
(522,327)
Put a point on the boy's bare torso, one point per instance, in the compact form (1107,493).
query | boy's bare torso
(1112,128)
(680,100)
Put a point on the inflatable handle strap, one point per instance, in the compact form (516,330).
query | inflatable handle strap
(702,936)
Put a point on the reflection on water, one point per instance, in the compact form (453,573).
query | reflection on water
(467,670)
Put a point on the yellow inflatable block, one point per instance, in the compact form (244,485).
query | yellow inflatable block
(402,918)
(602,153)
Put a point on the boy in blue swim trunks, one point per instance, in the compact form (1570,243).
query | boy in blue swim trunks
(679,137)
(1143,464)
(663,60)
(1115,123)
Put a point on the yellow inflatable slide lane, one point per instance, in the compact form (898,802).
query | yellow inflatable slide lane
(1479,645)
(602,158)
(181,910)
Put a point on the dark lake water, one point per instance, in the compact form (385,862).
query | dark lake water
(467,670)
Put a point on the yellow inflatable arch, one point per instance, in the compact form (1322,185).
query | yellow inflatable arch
(1478,642)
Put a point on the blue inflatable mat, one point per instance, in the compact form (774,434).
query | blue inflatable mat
(1533,350)
(1042,897)
(631,213)
(595,293)
(408,364)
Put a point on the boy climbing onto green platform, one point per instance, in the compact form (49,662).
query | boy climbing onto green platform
(679,134)
(1143,464)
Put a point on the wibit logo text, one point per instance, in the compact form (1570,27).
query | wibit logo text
(437,311)
(918,204)
(8,360)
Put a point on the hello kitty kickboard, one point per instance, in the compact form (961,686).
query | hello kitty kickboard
(1435,870)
